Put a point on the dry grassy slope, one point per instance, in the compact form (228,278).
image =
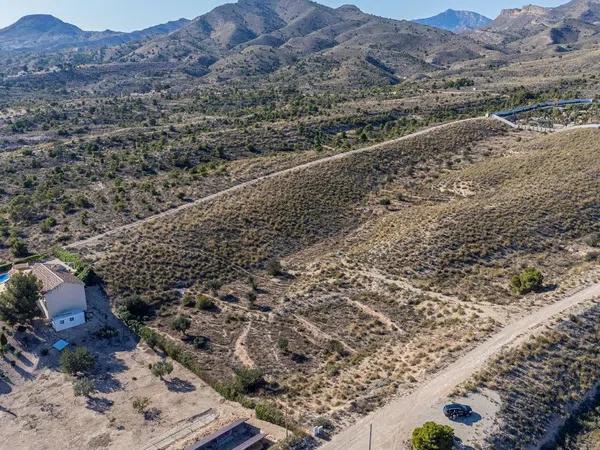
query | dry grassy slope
(361,286)
(518,209)
(273,218)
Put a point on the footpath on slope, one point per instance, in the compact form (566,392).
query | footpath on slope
(393,423)
(209,198)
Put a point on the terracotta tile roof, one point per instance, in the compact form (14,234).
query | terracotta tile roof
(53,276)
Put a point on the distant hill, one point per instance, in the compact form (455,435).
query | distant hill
(46,32)
(456,21)
(306,40)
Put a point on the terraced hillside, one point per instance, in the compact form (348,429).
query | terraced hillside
(384,252)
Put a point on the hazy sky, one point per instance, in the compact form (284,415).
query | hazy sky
(128,15)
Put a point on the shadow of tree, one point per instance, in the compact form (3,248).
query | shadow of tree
(460,445)
(5,387)
(152,414)
(24,360)
(100,405)
(299,358)
(230,298)
(106,383)
(548,288)
(7,411)
(179,385)
(22,372)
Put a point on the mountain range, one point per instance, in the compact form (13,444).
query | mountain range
(456,21)
(46,32)
(307,42)
(258,37)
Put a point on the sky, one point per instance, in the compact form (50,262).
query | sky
(129,15)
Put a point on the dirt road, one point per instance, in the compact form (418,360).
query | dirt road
(393,424)
(240,186)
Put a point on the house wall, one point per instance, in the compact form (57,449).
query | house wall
(65,322)
(66,297)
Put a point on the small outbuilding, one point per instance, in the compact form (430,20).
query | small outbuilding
(239,435)
(63,296)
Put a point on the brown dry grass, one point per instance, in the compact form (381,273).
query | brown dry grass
(387,282)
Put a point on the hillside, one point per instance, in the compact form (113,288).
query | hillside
(456,21)
(535,28)
(410,238)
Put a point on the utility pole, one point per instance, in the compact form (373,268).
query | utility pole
(370,435)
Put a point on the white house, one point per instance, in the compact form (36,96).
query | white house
(63,296)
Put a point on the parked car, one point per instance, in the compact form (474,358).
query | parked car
(454,410)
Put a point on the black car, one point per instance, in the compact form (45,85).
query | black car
(454,410)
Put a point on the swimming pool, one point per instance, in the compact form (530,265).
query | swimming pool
(4,278)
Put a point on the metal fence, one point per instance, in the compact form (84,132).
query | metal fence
(558,103)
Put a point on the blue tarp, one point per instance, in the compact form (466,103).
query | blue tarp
(60,345)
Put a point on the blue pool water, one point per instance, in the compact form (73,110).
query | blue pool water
(3,278)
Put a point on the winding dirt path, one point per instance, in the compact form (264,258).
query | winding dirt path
(393,423)
(319,334)
(389,323)
(241,353)
(217,195)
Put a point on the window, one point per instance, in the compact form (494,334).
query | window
(62,322)
(71,319)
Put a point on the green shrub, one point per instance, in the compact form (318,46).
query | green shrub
(140,404)
(274,267)
(593,240)
(200,342)
(149,336)
(530,280)
(19,248)
(248,380)
(136,308)
(432,436)
(18,301)
(204,303)
(161,368)
(214,286)
(83,387)
(78,361)
(48,224)
(269,413)
(283,344)
(181,324)
(335,346)
(83,271)
(188,301)
(106,332)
